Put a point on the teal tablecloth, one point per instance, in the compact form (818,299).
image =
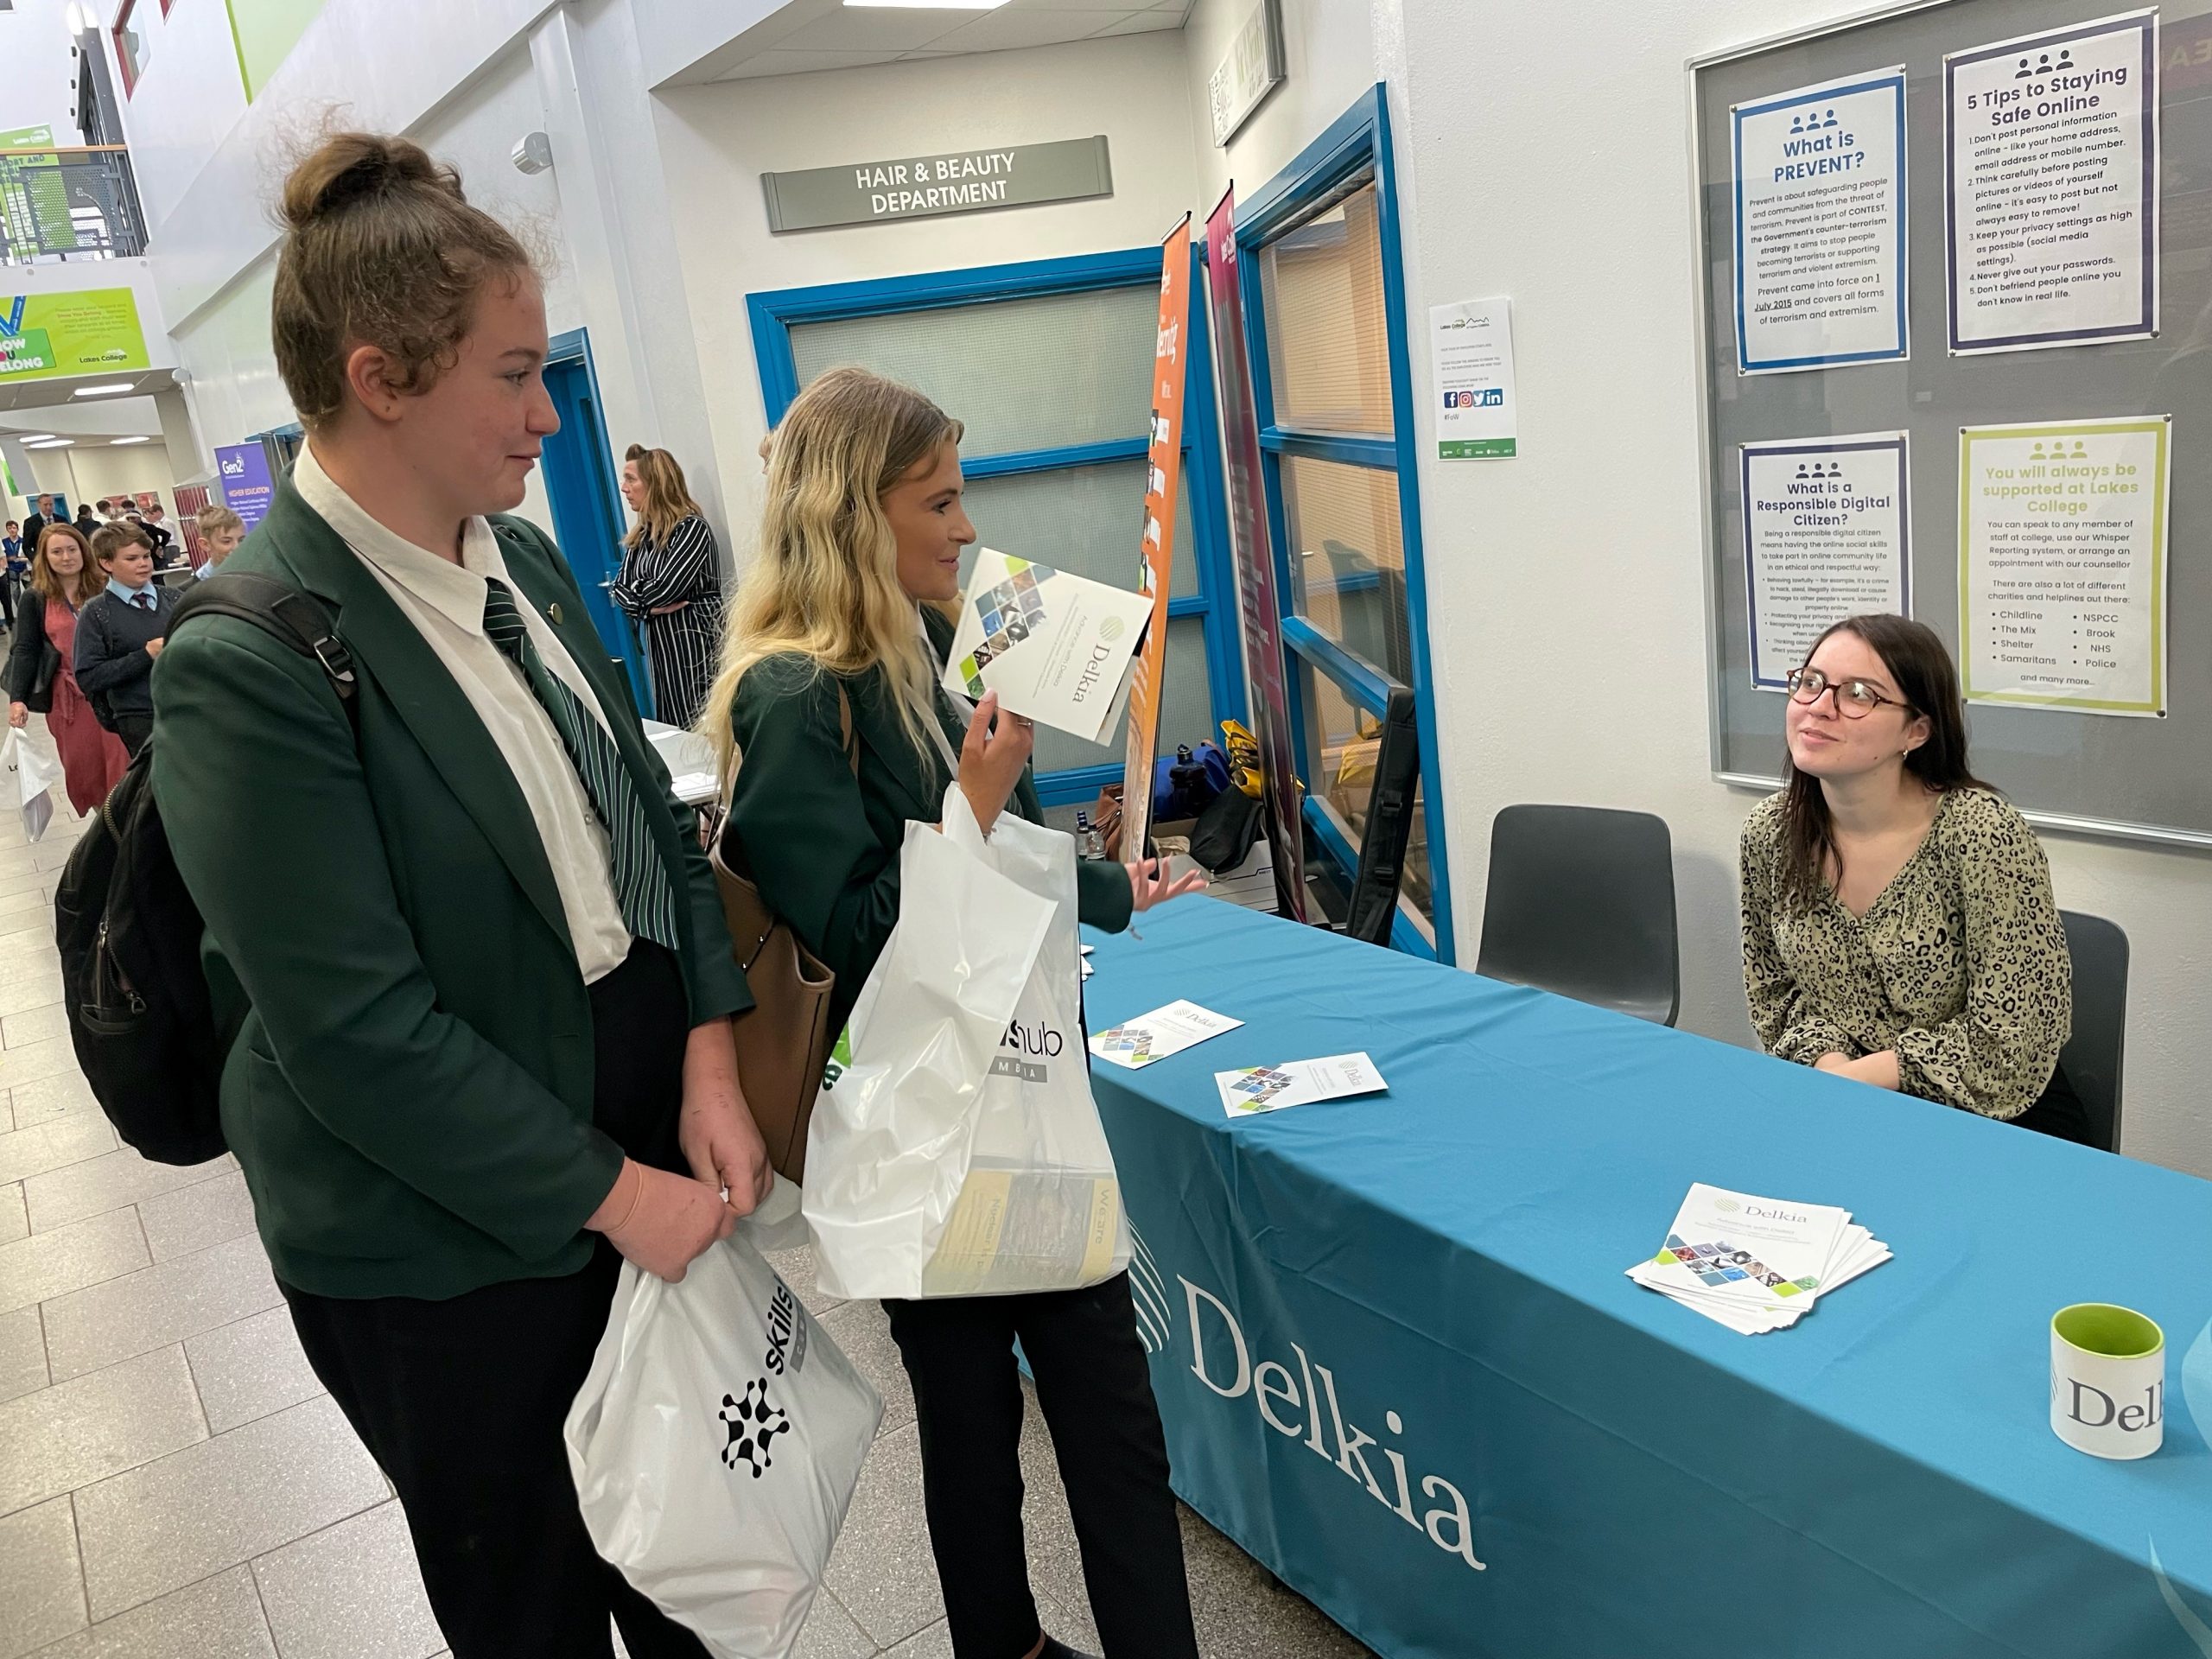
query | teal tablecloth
(1372,1318)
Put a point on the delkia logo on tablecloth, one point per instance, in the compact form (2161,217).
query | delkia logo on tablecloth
(1273,1391)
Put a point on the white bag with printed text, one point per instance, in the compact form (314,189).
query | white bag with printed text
(716,1443)
(960,1153)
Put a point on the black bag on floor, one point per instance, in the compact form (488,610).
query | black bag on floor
(140,1016)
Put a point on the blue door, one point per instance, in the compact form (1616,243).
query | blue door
(581,485)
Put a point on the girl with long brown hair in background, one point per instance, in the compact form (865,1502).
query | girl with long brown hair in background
(670,583)
(41,672)
(1899,927)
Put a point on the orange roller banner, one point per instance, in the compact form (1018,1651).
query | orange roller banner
(1163,485)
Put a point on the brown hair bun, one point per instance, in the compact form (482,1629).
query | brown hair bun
(381,249)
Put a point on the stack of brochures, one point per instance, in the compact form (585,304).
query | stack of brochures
(1757,1264)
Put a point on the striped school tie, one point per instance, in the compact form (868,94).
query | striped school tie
(641,883)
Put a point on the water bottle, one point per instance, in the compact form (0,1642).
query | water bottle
(1089,843)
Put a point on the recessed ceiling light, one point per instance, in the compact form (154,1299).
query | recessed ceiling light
(26,437)
(112,386)
(925,5)
(116,441)
(53,443)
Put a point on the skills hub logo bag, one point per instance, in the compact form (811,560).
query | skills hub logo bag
(715,1443)
(960,1153)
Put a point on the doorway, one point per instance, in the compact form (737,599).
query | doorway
(582,489)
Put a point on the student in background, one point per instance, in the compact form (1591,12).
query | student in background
(12,566)
(221,531)
(40,676)
(121,632)
(86,521)
(1898,923)
(157,529)
(671,582)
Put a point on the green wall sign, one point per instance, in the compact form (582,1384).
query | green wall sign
(46,336)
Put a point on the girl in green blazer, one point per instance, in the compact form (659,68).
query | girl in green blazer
(836,623)
(483,974)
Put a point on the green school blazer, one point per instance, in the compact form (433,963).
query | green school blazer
(410,1095)
(822,844)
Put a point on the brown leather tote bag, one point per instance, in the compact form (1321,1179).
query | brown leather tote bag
(784,1040)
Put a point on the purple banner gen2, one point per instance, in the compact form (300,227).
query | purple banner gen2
(242,476)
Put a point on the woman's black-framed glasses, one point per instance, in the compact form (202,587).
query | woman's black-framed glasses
(1854,699)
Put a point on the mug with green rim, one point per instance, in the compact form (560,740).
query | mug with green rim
(2107,1380)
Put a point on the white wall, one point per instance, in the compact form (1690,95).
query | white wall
(1581,552)
(189,95)
(1330,59)
(718,139)
(39,88)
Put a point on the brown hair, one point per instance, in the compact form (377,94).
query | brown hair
(381,249)
(111,539)
(1916,660)
(47,584)
(668,498)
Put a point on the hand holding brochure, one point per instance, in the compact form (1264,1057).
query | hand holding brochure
(1296,1082)
(1137,1043)
(1756,1264)
(1054,645)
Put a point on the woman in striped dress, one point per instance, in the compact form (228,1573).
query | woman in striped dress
(671,582)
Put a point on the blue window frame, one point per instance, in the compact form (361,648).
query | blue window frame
(775,314)
(1353,153)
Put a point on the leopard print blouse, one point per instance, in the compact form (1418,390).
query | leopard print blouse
(1960,965)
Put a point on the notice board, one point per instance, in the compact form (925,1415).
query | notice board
(1911,360)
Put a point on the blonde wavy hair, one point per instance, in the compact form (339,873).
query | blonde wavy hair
(668,498)
(823,579)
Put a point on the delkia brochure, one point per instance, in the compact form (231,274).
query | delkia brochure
(1055,647)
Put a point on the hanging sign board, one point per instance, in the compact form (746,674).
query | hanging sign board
(1163,484)
(924,186)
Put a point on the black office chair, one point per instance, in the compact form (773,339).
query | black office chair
(1582,902)
(2093,1056)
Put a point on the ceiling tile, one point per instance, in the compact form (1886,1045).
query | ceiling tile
(1141,23)
(1003,31)
(873,29)
(801,63)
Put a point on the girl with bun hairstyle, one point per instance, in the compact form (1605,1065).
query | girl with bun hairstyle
(478,970)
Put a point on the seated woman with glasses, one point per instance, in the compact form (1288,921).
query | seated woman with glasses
(1898,923)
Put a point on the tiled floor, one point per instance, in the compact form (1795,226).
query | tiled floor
(174,1484)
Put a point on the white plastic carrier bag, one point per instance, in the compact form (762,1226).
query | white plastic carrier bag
(960,1153)
(37,768)
(715,1443)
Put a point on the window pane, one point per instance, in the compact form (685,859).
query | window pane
(1341,742)
(1087,519)
(1186,709)
(1347,564)
(1031,374)
(1328,343)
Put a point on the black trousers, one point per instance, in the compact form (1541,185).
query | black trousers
(2059,1113)
(1096,1392)
(461,1401)
(134,730)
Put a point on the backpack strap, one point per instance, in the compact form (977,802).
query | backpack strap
(283,612)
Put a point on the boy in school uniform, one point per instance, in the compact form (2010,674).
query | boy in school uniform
(121,632)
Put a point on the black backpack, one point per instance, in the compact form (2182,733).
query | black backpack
(140,1015)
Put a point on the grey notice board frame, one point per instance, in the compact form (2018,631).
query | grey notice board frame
(2137,780)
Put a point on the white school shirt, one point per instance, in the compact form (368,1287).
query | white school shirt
(445,601)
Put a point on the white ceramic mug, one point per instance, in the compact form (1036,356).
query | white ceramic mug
(2107,1380)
